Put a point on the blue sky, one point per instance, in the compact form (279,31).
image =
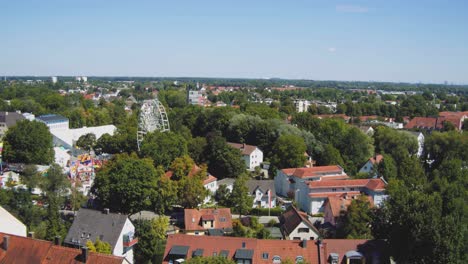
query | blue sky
(392,40)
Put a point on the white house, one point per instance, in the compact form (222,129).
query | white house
(263,192)
(287,179)
(115,229)
(312,195)
(371,164)
(252,155)
(10,224)
(295,225)
(301,105)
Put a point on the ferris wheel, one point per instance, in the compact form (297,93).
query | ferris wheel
(153,116)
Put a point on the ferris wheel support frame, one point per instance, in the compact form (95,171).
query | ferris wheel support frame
(152,117)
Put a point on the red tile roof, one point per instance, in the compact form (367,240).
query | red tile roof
(286,249)
(29,250)
(193,217)
(341,202)
(319,171)
(244,148)
(422,122)
(372,184)
(376,159)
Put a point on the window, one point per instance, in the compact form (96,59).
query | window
(296,238)
(222,219)
(265,255)
(215,253)
(333,189)
(299,259)
(303,230)
(276,259)
(352,189)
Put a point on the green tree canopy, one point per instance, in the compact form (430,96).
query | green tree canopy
(127,184)
(29,142)
(240,198)
(163,147)
(289,152)
(86,142)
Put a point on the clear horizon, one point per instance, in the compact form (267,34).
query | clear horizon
(376,41)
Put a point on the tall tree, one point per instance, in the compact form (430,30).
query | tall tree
(163,147)
(289,152)
(357,219)
(86,142)
(127,184)
(223,160)
(240,198)
(29,142)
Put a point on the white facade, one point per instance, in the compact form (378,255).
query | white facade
(367,168)
(261,200)
(54,79)
(303,232)
(254,159)
(420,138)
(301,105)
(67,137)
(211,187)
(128,229)
(195,97)
(10,225)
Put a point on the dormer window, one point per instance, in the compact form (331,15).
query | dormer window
(276,259)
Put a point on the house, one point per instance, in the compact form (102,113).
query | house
(368,130)
(301,105)
(252,155)
(263,192)
(10,224)
(17,249)
(216,221)
(180,248)
(115,229)
(295,225)
(371,164)
(286,179)
(437,123)
(242,250)
(311,195)
(54,122)
(336,205)
(7,120)
(210,181)
(228,182)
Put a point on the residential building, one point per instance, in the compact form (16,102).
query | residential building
(115,229)
(371,165)
(336,205)
(54,122)
(180,248)
(437,123)
(252,155)
(295,225)
(368,130)
(216,221)
(301,105)
(263,193)
(10,224)
(17,249)
(229,182)
(7,120)
(210,181)
(195,97)
(54,79)
(286,179)
(311,195)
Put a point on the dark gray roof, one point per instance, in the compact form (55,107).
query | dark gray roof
(215,232)
(198,252)
(10,118)
(52,118)
(95,224)
(226,181)
(244,254)
(179,250)
(264,185)
(224,253)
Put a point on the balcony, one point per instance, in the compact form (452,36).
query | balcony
(129,241)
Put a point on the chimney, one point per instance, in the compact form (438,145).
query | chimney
(304,243)
(57,240)
(106,211)
(31,234)
(243,145)
(6,242)
(84,254)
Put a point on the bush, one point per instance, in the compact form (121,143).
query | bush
(264,211)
